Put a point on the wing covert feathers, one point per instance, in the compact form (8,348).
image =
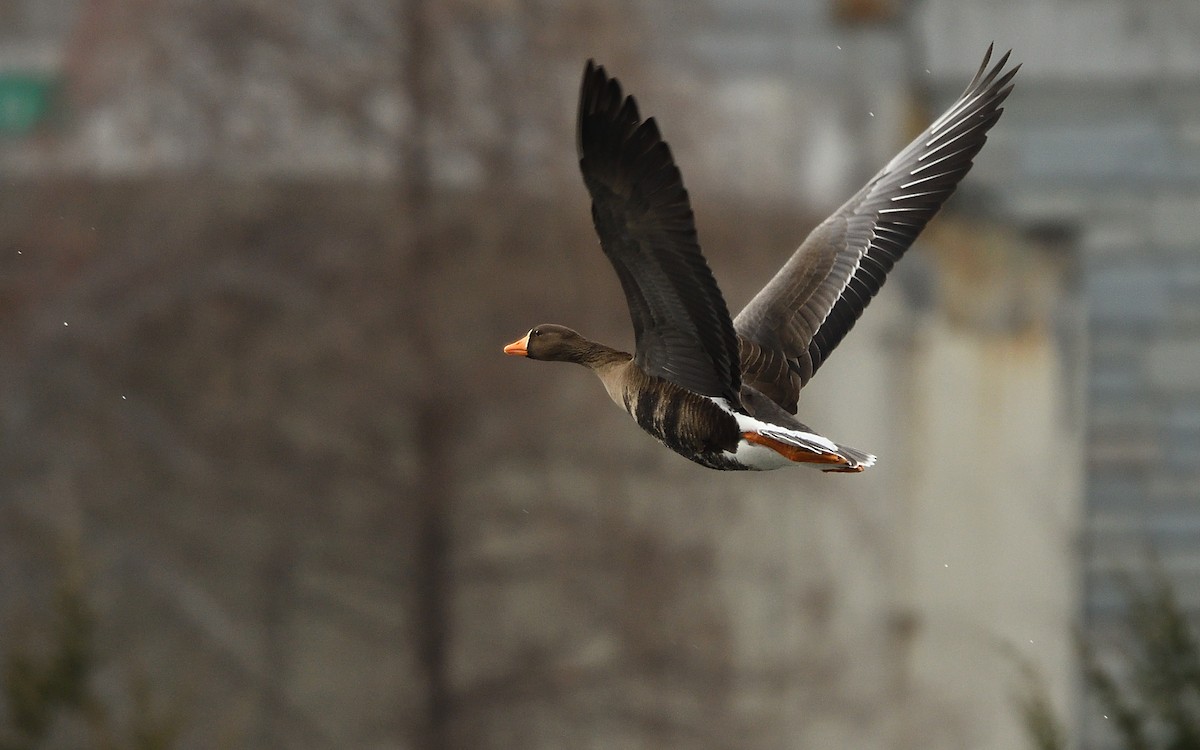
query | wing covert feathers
(641,211)
(792,326)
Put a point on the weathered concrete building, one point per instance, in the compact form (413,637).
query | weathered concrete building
(257,262)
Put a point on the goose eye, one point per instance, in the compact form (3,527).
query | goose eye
(535,332)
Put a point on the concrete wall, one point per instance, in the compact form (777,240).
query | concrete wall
(263,508)
(1101,144)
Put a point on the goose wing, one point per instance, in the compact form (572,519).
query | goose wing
(793,324)
(681,324)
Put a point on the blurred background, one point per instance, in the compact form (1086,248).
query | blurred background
(266,480)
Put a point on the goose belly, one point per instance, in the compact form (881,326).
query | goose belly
(691,425)
(701,429)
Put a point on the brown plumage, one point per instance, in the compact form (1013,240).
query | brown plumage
(723,391)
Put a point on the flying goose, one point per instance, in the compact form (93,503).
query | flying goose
(719,391)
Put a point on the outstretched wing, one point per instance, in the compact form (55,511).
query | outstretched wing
(790,327)
(641,212)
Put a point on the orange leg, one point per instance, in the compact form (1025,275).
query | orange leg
(796,454)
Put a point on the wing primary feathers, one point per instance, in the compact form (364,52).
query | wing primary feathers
(641,211)
(805,311)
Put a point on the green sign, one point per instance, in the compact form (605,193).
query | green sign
(24,101)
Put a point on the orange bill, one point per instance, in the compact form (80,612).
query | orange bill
(517,348)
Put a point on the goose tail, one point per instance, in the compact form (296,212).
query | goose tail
(811,448)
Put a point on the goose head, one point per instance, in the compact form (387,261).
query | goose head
(550,342)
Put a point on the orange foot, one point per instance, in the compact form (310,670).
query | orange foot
(797,454)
